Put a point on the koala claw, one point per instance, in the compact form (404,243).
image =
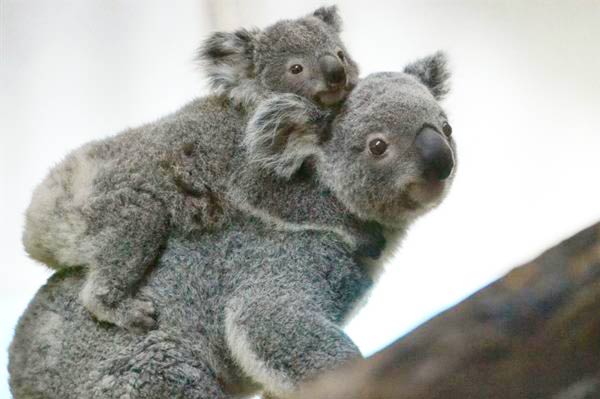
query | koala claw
(140,316)
(135,315)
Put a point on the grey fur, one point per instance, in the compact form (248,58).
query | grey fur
(258,303)
(277,136)
(433,72)
(111,204)
(330,16)
(249,64)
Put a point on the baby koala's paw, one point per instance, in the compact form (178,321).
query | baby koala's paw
(138,316)
(134,314)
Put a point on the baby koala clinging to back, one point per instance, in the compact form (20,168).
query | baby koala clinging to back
(112,204)
(303,56)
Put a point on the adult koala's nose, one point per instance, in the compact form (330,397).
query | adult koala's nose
(333,71)
(435,153)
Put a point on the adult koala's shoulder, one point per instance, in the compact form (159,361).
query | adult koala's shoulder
(304,56)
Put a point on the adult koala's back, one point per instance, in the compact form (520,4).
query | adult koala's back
(60,351)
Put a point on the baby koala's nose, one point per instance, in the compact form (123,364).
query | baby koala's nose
(435,153)
(333,71)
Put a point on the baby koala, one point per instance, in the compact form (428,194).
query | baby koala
(303,56)
(111,204)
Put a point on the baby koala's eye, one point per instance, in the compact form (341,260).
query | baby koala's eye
(447,129)
(296,69)
(377,147)
(341,55)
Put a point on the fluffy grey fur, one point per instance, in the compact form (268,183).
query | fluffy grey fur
(258,303)
(247,64)
(111,204)
(432,71)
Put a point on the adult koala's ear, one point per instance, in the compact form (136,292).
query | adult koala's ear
(330,16)
(433,72)
(228,58)
(284,131)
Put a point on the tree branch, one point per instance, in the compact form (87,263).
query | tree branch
(535,333)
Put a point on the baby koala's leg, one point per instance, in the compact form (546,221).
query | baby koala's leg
(281,342)
(126,232)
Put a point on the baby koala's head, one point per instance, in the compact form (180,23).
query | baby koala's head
(304,56)
(388,155)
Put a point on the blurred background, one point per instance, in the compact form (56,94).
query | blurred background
(525,109)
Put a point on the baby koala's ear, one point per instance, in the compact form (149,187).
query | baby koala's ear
(228,57)
(283,132)
(330,16)
(433,72)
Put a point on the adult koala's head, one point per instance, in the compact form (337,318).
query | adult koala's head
(388,155)
(303,56)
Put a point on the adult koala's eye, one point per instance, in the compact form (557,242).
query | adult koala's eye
(341,55)
(296,69)
(447,129)
(377,147)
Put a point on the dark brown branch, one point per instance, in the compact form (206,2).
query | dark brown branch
(535,333)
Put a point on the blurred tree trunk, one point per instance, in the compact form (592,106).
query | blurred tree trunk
(535,333)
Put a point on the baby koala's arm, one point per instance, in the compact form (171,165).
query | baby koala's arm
(126,232)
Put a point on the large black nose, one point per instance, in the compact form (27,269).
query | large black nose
(333,71)
(436,154)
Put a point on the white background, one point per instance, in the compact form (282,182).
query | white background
(524,107)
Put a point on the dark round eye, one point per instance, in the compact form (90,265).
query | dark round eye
(377,147)
(296,69)
(447,129)
(341,55)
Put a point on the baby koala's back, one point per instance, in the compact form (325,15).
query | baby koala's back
(184,150)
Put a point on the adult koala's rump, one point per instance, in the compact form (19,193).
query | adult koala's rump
(256,304)
(112,204)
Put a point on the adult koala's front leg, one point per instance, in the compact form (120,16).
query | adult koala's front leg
(279,340)
(126,231)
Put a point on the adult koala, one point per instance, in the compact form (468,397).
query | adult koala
(258,304)
(112,204)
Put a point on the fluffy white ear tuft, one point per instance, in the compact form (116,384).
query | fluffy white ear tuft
(228,58)
(330,16)
(433,72)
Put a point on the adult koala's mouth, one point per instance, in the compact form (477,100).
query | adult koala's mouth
(424,194)
(414,199)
